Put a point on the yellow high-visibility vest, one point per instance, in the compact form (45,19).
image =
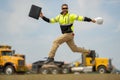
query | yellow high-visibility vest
(67,19)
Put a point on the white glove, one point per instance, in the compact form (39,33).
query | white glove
(99,20)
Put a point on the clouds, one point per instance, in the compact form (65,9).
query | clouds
(118,28)
(18,18)
(35,37)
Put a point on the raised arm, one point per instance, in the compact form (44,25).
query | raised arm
(44,18)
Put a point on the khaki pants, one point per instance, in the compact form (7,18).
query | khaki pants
(69,39)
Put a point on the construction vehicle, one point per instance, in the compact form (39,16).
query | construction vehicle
(55,68)
(11,62)
(90,63)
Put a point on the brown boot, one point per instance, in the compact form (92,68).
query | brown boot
(49,60)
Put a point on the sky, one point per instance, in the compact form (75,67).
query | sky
(34,37)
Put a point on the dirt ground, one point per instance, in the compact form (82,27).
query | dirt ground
(61,77)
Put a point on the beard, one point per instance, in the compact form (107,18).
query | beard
(64,12)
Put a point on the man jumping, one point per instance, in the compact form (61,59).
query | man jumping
(66,21)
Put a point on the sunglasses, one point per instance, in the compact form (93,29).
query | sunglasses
(64,8)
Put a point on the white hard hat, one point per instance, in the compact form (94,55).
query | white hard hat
(99,20)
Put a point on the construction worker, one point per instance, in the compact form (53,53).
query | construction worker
(66,21)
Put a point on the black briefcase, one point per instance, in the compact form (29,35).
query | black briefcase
(35,11)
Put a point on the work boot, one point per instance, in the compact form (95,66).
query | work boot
(49,60)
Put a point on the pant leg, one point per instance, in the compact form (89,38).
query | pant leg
(61,39)
(75,48)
